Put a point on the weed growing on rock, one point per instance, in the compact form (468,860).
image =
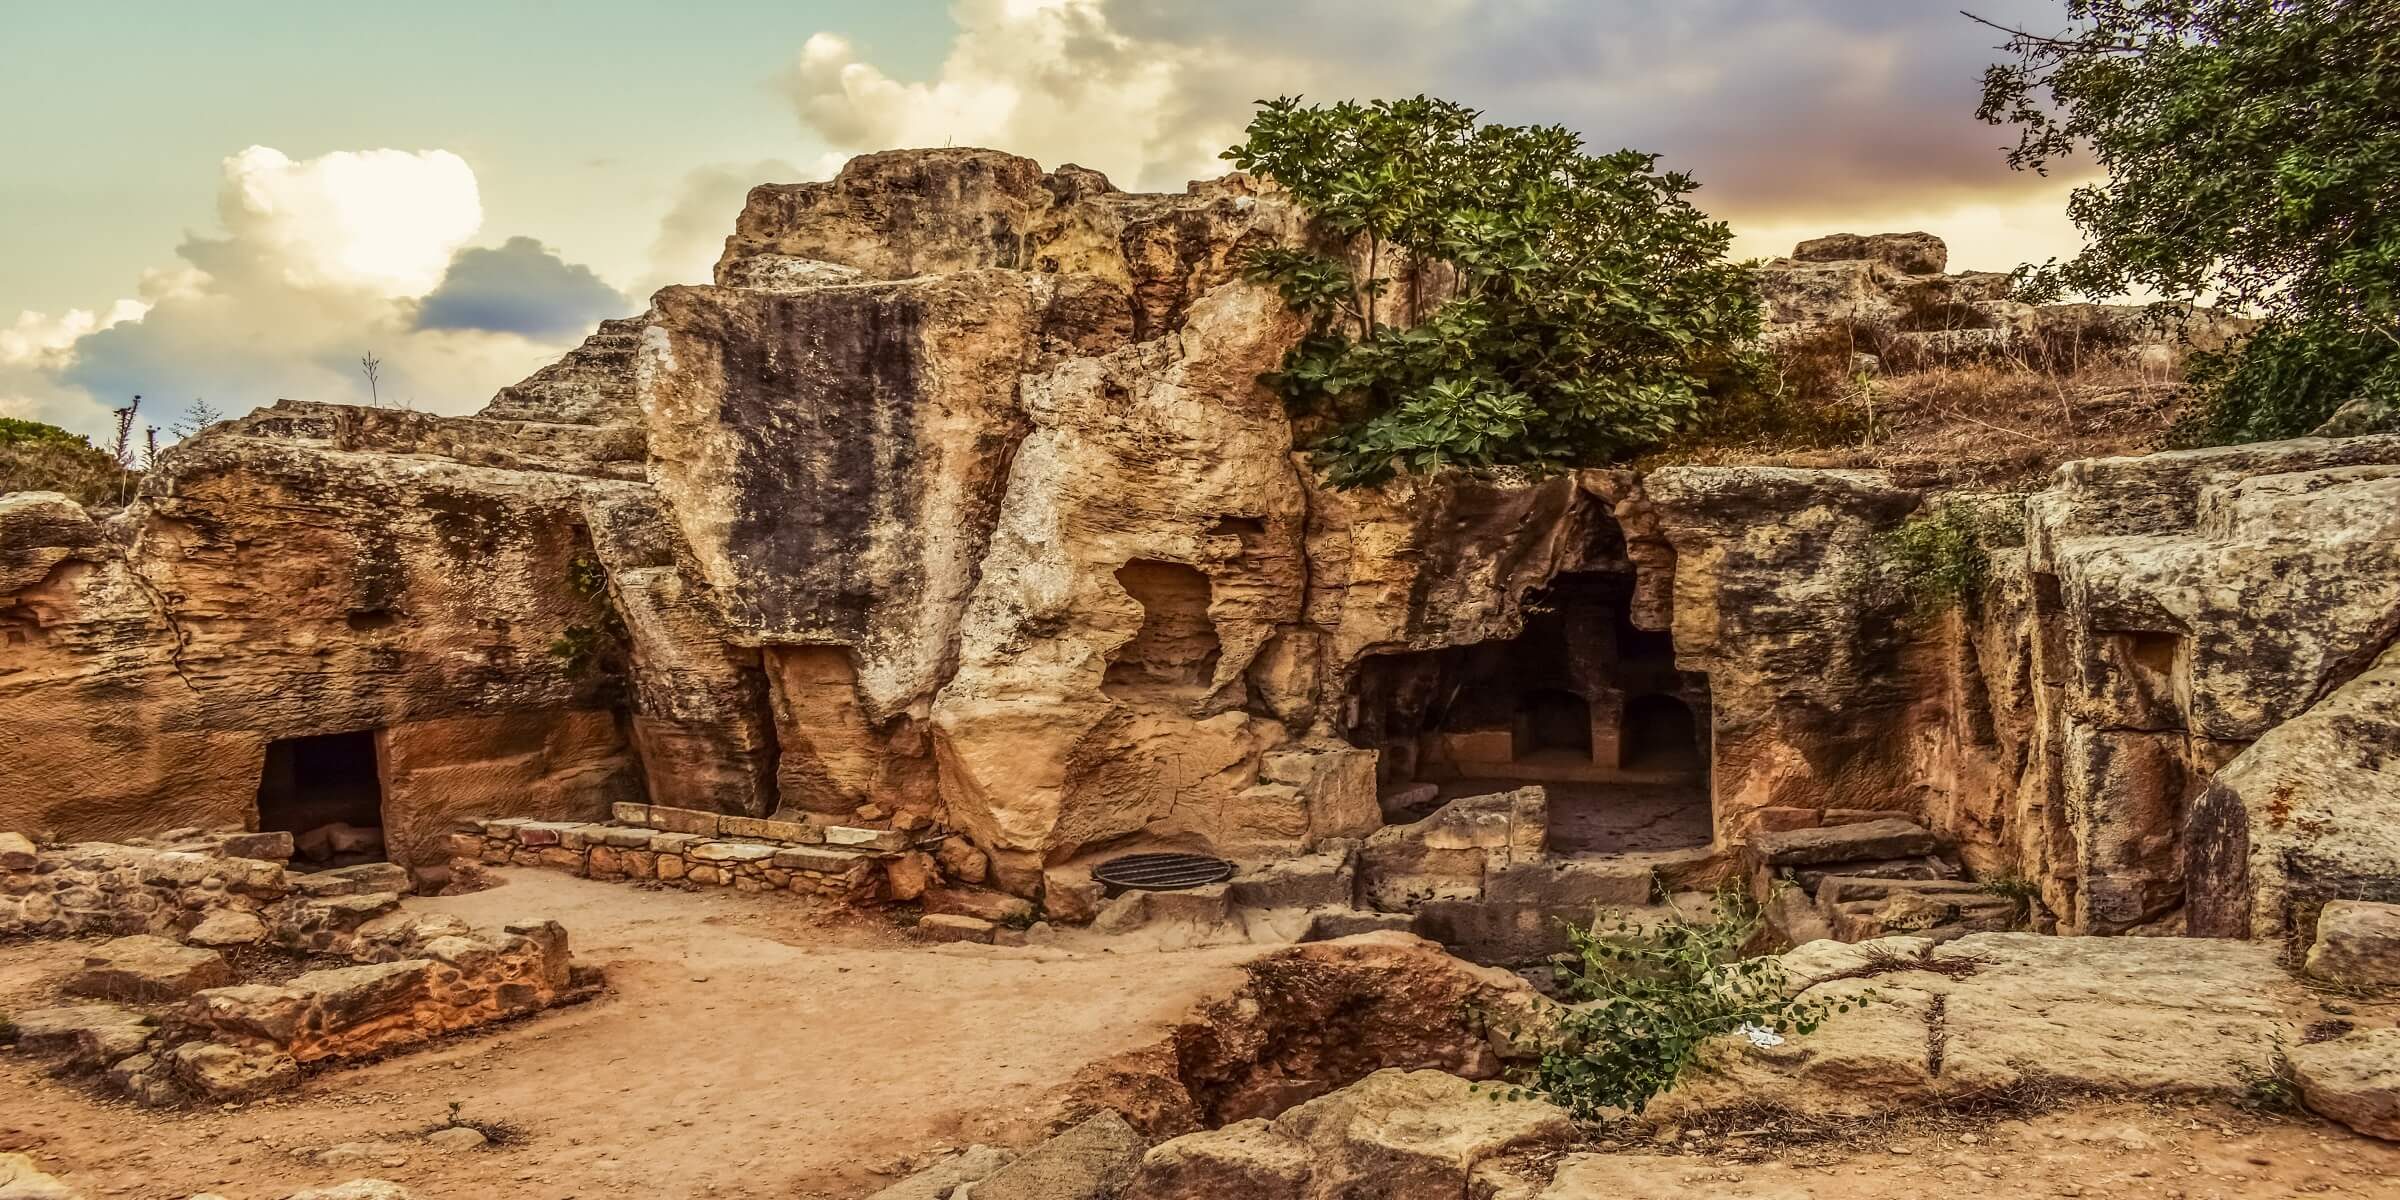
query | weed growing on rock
(2274,1091)
(2017,890)
(1935,561)
(1644,999)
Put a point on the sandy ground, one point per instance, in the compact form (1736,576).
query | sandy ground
(748,1047)
(753,1047)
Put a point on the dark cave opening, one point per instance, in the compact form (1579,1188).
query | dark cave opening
(327,792)
(1580,701)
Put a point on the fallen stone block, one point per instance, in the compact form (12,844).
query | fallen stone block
(220,1072)
(17,853)
(980,903)
(1342,922)
(83,1034)
(1398,1134)
(2358,945)
(363,879)
(1069,894)
(953,927)
(2353,1079)
(149,968)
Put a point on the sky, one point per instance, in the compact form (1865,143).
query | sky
(234,201)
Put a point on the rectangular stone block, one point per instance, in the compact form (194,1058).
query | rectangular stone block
(810,858)
(872,839)
(629,814)
(674,843)
(1888,838)
(951,927)
(770,830)
(730,853)
(626,839)
(684,820)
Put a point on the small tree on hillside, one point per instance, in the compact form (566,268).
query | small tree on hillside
(2251,149)
(1578,310)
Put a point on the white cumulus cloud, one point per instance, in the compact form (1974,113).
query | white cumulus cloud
(1051,79)
(317,261)
(380,220)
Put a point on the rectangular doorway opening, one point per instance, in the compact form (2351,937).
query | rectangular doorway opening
(327,792)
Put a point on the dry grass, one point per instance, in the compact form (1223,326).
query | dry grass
(1998,420)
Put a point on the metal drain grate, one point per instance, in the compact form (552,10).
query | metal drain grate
(1161,872)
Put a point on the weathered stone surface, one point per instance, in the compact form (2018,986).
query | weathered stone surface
(219,1072)
(954,927)
(356,1189)
(1908,253)
(942,1179)
(2307,814)
(2116,1015)
(1862,841)
(2358,945)
(145,967)
(2354,1079)
(22,1179)
(67,1030)
(1402,1135)
(1094,1160)
(17,852)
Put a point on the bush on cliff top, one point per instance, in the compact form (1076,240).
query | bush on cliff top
(1496,295)
(2249,148)
(35,457)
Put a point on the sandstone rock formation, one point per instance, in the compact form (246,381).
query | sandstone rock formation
(954,507)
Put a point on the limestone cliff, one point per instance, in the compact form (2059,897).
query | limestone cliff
(955,500)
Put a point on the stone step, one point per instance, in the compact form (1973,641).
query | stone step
(765,829)
(614,851)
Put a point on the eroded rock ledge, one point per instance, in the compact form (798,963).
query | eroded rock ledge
(954,506)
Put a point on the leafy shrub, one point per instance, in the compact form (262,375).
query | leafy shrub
(35,457)
(1521,302)
(1645,999)
(2246,148)
(1934,561)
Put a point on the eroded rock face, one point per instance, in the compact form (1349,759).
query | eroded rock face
(954,504)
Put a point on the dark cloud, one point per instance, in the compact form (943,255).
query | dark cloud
(522,288)
(1781,107)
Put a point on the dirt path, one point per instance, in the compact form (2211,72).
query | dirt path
(754,1048)
(749,1047)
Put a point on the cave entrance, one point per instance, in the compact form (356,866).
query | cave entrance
(327,792)
(1173,656)
(1581,701)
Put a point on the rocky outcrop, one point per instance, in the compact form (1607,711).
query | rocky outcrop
(1993,1012)
(954,505)
(1400,1135)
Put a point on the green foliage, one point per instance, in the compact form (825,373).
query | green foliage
(2251,149)
(1643,1001)
(2017,890)
(35,457)
(1934,561)
(1807,392)
(2274,1091)
(599,648)
(1494,295)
